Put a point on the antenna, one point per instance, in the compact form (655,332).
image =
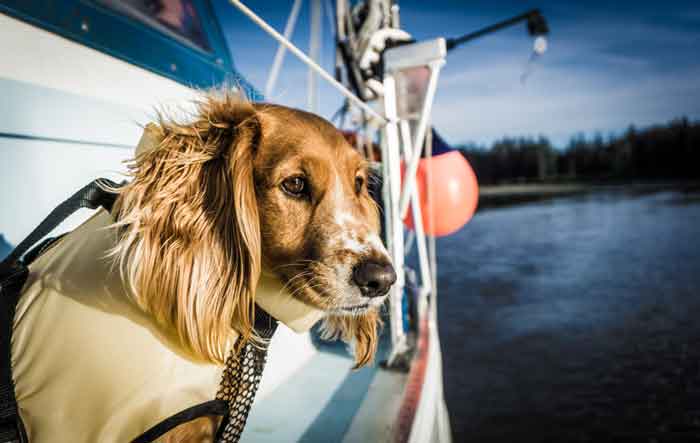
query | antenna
(536,26)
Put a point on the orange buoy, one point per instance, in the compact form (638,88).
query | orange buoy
(453,196)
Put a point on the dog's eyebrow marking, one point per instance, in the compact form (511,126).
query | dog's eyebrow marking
(345,220)
(348,224)
(352,244)
(343,217)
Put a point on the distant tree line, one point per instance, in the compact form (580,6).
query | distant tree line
(669,151)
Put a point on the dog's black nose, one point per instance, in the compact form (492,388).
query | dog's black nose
(374,279)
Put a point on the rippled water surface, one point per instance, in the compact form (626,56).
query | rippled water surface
(576,319)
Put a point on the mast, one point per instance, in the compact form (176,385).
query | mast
(314,52)
(281,49)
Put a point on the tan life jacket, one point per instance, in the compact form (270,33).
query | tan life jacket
(89,365)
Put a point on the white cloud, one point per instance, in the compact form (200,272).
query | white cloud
(580,85)
(600,74)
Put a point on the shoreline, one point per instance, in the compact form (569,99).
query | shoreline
(493,196)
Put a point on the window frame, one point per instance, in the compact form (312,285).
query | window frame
(106,30)
(153,23)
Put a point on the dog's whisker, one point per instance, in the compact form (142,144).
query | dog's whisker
(290,265)
(305,286)
(292,280)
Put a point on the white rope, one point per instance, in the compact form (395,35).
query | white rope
(304,58)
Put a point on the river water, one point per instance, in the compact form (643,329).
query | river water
(576,319)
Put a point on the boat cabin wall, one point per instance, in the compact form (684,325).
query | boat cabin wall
(78,79)
(72,109)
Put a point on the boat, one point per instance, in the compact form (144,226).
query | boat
(79,79)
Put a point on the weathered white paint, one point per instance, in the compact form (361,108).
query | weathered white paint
(33,55)
(431,420)
(54,88)
(36,175)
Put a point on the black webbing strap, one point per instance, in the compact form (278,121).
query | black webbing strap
(212,407)
(241,375)
(12,279)
(239,384)
(13,275)
(90,196)
(241,378)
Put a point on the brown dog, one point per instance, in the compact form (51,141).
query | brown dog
(241,188)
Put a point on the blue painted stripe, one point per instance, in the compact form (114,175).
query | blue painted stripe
(334,420)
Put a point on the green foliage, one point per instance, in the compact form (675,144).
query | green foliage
(670,151)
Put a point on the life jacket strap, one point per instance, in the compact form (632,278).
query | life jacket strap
(241,376)
(211,407)
(12,279)
(13,275)
(92,196)
(241,379)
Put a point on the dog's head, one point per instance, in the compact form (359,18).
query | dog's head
(241,187)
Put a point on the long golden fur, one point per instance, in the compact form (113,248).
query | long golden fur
(190,238)
(203,214)
(206,211)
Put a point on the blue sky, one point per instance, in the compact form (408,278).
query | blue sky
(609,65)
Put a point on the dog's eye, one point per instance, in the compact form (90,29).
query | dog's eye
(296,186)
(359,183)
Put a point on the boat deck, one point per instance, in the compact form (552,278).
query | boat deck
(325,400)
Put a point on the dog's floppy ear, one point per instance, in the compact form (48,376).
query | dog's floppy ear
(360,331)
(189,245)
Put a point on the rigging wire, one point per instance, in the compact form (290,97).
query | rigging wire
(308,61)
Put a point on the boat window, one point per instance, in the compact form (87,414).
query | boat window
(175,18)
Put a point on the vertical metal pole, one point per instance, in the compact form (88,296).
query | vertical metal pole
(392,186)
(386,194)
(418,228)
(420,134)
(281,49)
(314,52)
(432,256)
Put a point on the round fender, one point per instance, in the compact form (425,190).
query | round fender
(453,196)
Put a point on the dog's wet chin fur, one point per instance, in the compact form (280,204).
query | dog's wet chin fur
(239,187)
